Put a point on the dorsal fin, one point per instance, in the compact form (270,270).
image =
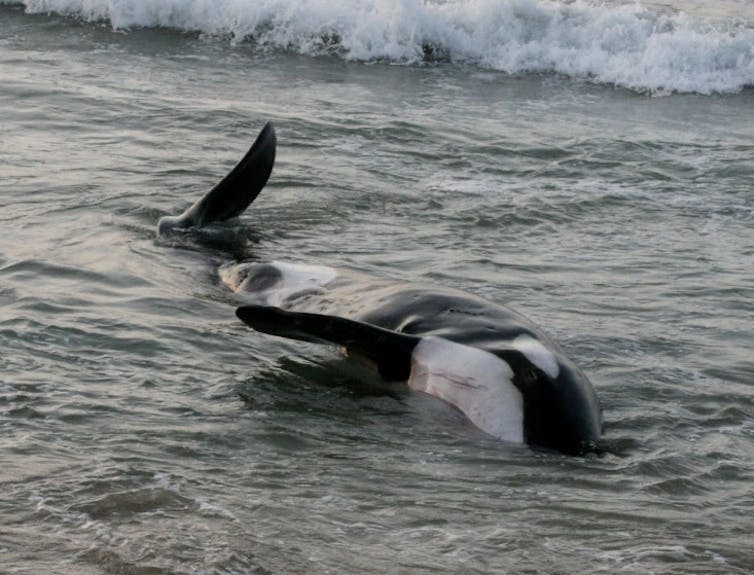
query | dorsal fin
(390,350)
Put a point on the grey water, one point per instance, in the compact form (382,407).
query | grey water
(145,430)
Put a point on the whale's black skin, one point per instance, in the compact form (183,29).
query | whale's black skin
(493,364)
(234,193)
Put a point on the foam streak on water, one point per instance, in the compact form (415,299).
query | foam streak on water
(627,45)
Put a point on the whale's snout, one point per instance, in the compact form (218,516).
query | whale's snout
(562,412)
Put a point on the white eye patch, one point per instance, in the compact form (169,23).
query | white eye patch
(538,354)
(476,382)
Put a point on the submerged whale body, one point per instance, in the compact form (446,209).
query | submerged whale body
(493,364)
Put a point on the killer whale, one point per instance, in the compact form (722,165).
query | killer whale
(499,369)
(493,364)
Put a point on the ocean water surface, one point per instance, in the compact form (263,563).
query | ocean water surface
(587,164)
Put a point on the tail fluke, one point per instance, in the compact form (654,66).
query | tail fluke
(235,192)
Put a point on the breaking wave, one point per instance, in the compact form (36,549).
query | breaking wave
(627,45)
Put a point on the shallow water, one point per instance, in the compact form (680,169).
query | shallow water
(146,430)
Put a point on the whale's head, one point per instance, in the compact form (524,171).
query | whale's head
(526,391)
(561,410)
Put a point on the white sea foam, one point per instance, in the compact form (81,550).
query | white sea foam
(627,45)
